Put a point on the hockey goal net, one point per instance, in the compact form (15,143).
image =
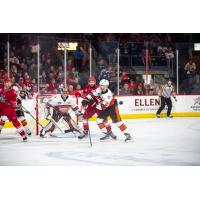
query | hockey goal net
(38,112)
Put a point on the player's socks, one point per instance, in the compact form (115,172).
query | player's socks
(22,133)
(25,125)
(27,130)
(108,126)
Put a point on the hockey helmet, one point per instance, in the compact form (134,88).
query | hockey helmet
(104,82)
(8,79)
(91,79)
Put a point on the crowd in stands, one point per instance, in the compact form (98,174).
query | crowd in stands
(23,63)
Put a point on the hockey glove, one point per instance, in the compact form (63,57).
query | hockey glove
(84,102)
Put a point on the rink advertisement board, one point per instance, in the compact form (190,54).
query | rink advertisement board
(139,107)
(146,106)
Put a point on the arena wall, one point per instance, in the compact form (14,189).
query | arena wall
(133,107)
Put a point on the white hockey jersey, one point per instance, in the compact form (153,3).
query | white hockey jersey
(105,99)
(63,105)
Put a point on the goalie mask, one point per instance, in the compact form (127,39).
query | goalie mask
(64,92)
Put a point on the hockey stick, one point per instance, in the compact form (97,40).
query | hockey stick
(26,111)
(85,109)
(57,126)
(43,127)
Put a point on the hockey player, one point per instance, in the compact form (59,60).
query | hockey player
(19,111)
(90,109)
(165,96)
(22,95)
(61,105)
(8,103)
(108,106)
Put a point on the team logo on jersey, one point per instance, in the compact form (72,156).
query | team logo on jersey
(197,101)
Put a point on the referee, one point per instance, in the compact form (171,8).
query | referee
(165,95)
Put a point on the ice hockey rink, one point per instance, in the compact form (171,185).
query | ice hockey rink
(157,142)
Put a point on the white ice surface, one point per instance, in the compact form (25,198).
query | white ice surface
(156,142)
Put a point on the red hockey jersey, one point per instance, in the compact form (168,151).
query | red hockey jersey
(85,91)
(9,97)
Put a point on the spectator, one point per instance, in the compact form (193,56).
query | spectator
(71,89)
(125,90)
(140,90)
(52,85)
(152,88)
(34,90)
(54,91)
(52,69)
(124,78)
(27,80)
(33,71)
(133,87)
(60,78)
(43,90)
(69,65)
(43,78)
(106,73)
(190,68)
(169,53)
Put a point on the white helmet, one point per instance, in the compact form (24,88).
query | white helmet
(104,82)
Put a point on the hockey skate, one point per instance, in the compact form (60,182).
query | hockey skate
(28,132)
(83,135)
(25,139)
(128,137)
(42,134)
(107,135)
(169,116)
(113,136)
(71,130)
(158,115)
